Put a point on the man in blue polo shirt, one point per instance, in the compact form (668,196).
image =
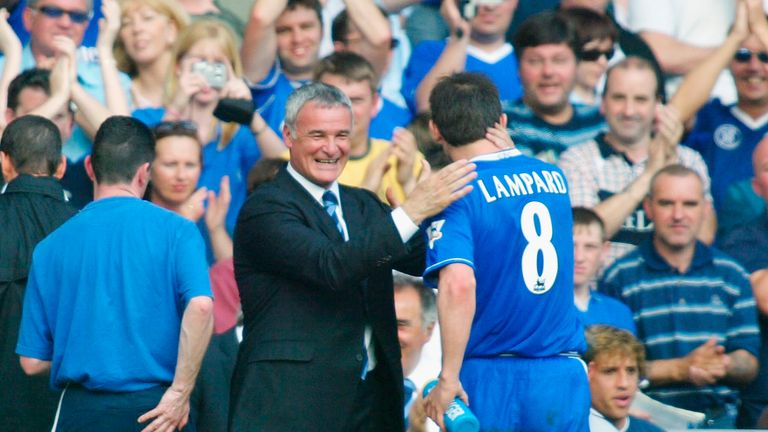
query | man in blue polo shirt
(502,258)
(118,305)
(693,305)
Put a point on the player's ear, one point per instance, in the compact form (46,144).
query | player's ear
(435,132)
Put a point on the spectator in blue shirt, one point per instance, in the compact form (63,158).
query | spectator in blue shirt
(589,248)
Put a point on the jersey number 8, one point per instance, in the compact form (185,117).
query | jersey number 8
(538,283)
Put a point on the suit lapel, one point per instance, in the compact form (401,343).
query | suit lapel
(314,210)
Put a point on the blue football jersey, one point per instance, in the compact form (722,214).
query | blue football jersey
(515,229)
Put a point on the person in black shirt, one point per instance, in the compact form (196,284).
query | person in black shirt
(32,204)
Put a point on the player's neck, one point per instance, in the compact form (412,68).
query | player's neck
(581,294)
(471,150)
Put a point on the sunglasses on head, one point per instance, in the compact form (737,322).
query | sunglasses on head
(175,128)
(78,17)
(594,54)
(744,55)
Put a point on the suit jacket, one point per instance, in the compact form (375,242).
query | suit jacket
(307,296)
(209,403)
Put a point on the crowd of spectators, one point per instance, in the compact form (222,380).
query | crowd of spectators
(621,95)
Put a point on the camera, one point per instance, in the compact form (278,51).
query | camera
(215,73)
(468,8)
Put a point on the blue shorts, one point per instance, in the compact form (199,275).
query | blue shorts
(528,394)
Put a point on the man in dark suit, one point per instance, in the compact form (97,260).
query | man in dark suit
(313,262)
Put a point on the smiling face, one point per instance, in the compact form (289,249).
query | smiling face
(613,382)
(629,104)
(751,77)
(320,148)
(364,104)
(43,28)
(548,75)
(146,33)
(298,40)
(175,170)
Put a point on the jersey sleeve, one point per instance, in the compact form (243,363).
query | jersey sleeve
(449,241)
(191,265)
(35,337)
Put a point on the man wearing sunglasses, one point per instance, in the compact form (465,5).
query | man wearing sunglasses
(50,23)
(727,134)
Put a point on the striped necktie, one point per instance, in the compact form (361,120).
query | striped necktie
(330,203)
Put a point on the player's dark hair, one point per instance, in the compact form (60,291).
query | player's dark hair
(30,78)
(464,106)
(122,144)
(33,144)
(545,28)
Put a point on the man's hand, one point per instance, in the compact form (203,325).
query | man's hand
(109,26)
(756,19)
(171,414)
(376,170)
(441,396)
(8,39)
(662,150)
(458,26)
(435,192)
(498,135)
(194,207)
(216,214)
(404,148)
(707,363)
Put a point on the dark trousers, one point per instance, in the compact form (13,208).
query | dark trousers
(367,412)
(84,410)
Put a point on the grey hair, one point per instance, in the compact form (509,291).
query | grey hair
(31,4)
(426,295)
(323,95)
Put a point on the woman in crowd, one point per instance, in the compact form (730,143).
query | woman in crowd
(147,33)
(192,94)
(597,36)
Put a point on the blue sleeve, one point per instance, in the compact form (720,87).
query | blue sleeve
(264,89)
(35,336)
(191,265)
(743,331)
(423,57)
(149,116)
(449,241)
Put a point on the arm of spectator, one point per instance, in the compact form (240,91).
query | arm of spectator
(196,328)
(33,366)
(375,30)
(708,228)
(109,26)
(270,145)
(703,366)
(674,56)
(259,48)
(455,311)
(453,57)
(215,218)
(61,88)
(757,22)
(661,152)
(179,108)
(405,149)
(374,174)
(742,367)
(759,281)
(393,6)
(11,48)
(269,142)
(697,85)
